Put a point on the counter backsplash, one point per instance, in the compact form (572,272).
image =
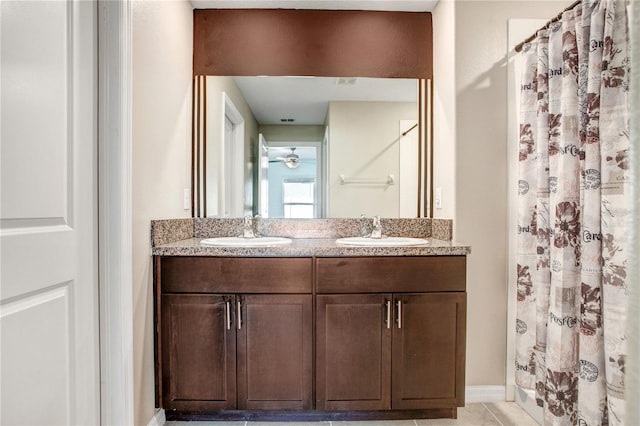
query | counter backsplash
(171,230)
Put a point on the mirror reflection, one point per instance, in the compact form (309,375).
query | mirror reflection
(308,147)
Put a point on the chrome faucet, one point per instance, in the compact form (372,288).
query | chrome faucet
(248,228)
(376,232)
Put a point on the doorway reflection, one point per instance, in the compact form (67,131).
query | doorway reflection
(291,180)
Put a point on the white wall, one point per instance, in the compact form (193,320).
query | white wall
(444,106)
(479,160)
(162,57)
(216,85)
(364,143)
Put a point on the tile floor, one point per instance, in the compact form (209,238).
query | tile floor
(482,414)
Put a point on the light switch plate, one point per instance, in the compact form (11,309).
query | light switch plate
(187,199)
(438,198)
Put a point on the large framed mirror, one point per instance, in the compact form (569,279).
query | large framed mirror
(311,145)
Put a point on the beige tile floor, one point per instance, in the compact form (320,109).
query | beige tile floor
(482,414)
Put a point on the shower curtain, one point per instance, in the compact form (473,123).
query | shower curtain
(573,208)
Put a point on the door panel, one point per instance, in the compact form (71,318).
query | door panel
(38,345)
(275,352)
(353,353)
(48,216)
(427,350)
(199,366)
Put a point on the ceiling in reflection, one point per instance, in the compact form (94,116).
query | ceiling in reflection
(305,100)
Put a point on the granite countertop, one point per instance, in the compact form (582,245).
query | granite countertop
(307,247)
(310,237)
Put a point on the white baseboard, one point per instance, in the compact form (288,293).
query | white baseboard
(158,419)
(485,394)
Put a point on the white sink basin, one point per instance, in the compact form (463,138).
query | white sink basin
(246,242)
(381,242)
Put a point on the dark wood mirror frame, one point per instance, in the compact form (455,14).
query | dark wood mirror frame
(280,42)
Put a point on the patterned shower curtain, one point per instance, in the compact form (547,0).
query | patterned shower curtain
(573,208)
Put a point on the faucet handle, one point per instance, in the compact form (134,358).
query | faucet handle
(364,230)
(376,232)
(255,225)
(247,231)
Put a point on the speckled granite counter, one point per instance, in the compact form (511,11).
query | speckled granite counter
(319,247)
(315,237)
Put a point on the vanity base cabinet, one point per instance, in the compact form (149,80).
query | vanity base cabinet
(345,338)
(247,352)
(250,349)
(391,333)
(389,351)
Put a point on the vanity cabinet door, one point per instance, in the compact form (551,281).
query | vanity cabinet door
(428,350)
(275,352)
(353,352)
(198,352)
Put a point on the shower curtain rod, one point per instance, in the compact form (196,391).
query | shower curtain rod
(518,47)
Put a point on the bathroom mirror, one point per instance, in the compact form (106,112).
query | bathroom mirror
(303,147)
(355,173)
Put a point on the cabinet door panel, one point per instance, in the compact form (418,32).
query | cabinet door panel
(353,353)
(199,353)
(428,351)
(275,352)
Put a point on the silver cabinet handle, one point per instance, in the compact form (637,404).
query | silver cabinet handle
(399,307)
(239,315)
(228,315)
(388,319)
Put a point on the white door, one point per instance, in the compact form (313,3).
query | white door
(263,176)
(48,213)
(233,170)
(229,176)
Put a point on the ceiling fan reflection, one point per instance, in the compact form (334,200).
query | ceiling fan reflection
(292,160)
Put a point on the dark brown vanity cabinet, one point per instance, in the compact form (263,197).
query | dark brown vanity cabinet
(239,335)
(399,349)
(246,350)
